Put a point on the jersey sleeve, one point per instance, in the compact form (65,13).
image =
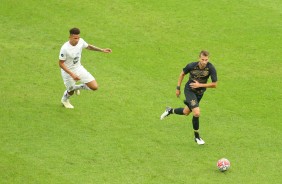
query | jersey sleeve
(213,73)
(84,43)
(63,54)
(187,68)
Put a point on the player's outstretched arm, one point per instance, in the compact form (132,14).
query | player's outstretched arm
(94,48)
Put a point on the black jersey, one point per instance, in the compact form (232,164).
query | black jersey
(200,75)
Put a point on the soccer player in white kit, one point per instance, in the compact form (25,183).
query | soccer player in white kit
(71,69)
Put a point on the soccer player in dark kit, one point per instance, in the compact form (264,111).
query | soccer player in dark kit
(194,90)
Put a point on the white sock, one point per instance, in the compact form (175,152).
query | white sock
(66,95)
(81,86)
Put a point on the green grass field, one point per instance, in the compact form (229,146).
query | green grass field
(114,135)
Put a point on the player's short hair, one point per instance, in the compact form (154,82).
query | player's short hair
(74,31)
(204,53)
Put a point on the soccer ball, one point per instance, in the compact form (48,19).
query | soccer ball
(223,164)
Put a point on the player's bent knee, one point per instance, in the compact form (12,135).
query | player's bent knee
(92,85)
(186,112)
(94,88)
(196,114)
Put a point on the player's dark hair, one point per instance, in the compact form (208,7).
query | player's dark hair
(204,53)
(74,31)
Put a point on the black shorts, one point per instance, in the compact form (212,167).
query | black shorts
(192,99)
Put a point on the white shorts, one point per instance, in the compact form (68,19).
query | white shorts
(81,72)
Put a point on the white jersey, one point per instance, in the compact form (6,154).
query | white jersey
(72,54)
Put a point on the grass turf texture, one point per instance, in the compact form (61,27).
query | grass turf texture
(114,135)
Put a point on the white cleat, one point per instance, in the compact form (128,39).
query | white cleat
(199,141)
(77,92)
(67,104)
(166,113)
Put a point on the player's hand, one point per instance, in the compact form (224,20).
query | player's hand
(75,77)
(107,50)
(195,84)
(177,92)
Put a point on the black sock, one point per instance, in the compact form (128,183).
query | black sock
(178,111)
(196,126)
(196,133)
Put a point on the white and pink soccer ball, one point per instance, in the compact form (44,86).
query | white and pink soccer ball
(223,164)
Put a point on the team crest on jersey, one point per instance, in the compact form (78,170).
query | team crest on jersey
(205,73)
